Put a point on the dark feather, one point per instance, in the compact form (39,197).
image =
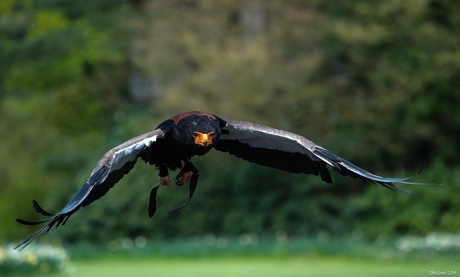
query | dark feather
(101,180)
(193,183)
(290,162)
(293,153)
(152,205)
(40,209)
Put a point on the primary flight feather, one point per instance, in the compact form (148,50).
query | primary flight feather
(175,141)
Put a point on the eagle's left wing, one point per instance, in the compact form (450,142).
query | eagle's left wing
(291,152)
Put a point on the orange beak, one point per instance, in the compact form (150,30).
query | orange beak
(203,139)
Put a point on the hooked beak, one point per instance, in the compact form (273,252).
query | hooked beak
(203,139)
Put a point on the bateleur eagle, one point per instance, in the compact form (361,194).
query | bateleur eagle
(175,141)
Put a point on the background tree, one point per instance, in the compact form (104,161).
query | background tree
(376,83)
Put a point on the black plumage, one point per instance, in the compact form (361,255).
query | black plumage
(175,141)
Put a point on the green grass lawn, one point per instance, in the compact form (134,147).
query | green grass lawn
(258,266)
(303,257)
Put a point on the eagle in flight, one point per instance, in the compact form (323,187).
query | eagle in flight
(175,141)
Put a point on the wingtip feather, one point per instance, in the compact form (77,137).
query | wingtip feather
(27,222)
(40,210)
(35,236)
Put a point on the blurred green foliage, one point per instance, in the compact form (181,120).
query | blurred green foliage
(376,83)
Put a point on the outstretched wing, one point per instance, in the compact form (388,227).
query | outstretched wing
(108,171)
(290,152)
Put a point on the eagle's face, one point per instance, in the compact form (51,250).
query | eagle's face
(197,134)
(203,139)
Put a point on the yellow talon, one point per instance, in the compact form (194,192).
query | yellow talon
(183,177)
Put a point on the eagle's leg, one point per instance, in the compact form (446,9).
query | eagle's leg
(193,183)
(163,175)
(185,174)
